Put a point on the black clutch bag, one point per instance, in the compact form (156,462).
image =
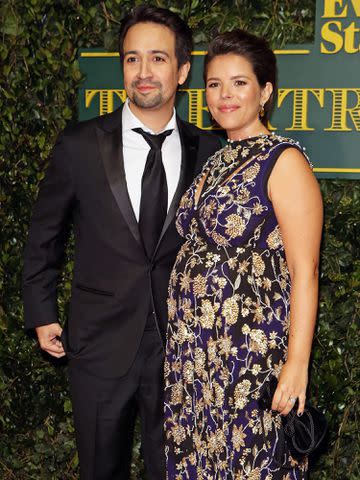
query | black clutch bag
(302,435)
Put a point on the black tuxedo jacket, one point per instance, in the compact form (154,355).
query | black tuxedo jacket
(114,283)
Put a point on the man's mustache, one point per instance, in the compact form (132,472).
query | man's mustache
(139,83)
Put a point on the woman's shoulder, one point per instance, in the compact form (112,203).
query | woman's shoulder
(277,139)
(282,143)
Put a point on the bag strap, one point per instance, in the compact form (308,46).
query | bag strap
(310,432)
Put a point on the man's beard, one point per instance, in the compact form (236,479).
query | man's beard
(147,102)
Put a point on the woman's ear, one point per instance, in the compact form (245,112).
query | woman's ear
(266,92)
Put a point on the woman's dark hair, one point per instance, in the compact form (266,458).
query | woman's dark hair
(161,16)
(256,50)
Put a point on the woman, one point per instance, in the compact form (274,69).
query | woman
(243,291)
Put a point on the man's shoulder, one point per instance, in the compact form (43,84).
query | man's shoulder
(195,131)
(107,122)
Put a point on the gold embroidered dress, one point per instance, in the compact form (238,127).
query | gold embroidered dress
(229,300)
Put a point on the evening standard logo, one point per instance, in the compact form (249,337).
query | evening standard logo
(340,30)
(318,101)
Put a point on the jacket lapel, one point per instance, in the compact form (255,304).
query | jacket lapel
(189,147)
(109,133)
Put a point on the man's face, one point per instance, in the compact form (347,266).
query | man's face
(151,73)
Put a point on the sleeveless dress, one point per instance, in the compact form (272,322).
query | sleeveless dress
(228,304)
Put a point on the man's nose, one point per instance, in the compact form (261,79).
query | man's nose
(145,69)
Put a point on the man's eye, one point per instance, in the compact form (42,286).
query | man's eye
(131,59)
(239,83)
(159,59)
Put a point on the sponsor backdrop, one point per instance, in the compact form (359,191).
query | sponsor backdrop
(318,101)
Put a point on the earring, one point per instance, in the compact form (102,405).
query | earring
(262,111)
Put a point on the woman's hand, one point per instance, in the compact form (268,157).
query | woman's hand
(292,384)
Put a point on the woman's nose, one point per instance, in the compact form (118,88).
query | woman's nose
(225,92)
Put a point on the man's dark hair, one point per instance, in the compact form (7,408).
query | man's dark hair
(256,50)
(161,16)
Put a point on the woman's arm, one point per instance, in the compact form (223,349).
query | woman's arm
(297,202)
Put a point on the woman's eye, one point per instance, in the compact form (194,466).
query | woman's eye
(212,84)
(239,83)
(131,59)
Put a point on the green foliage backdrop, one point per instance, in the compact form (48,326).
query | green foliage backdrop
(39,79)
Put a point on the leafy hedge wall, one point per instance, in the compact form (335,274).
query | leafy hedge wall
(39,79)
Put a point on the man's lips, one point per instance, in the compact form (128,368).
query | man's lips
(228,108)
(145,88)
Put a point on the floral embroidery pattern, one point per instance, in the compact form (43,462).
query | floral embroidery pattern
(229,313)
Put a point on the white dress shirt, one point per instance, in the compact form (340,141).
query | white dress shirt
(136,149)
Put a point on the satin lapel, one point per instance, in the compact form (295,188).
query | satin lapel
(189,147)
(111,149)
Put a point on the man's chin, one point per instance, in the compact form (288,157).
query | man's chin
(147,102)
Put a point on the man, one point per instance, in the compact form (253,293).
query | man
(119,184)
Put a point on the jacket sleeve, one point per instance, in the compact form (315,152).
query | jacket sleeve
(44,252)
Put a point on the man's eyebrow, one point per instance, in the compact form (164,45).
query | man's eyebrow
(136,52)
(162,52)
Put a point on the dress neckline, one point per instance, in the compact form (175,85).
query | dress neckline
(249,139)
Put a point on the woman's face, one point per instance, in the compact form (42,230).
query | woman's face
(234,96)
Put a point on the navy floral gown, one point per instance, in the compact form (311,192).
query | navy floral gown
(229,300)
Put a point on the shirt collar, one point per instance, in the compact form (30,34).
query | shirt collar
(130,121)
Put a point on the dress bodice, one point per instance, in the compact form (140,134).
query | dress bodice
(233,202)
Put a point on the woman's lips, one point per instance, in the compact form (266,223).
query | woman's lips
(228,108)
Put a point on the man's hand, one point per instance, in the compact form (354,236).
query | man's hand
(48,336)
